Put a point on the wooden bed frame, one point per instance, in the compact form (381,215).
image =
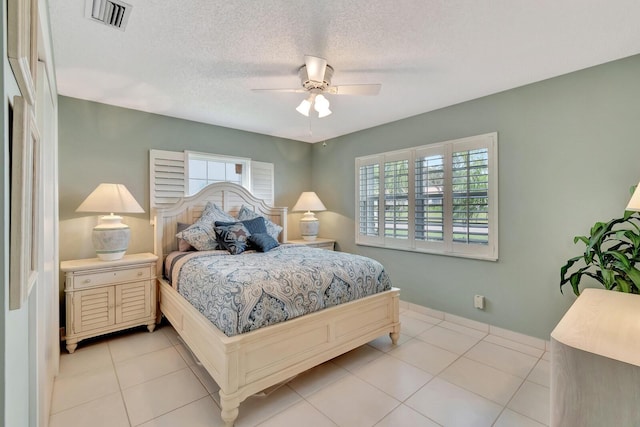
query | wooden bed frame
(245,364)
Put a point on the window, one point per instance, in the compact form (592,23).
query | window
(175,174)
(204,169)
(438,198)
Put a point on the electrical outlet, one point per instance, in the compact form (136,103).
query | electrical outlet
(478,302)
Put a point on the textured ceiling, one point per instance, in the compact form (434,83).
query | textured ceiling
(199,59)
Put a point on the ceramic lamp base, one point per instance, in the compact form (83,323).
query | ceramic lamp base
(309,226)
(111,238)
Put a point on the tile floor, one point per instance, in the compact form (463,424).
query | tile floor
(440,374)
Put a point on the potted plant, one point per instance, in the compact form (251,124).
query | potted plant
(610,256)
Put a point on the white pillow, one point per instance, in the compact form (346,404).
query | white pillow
(201,234)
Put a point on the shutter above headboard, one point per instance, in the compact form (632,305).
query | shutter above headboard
(262,181)
(167,177)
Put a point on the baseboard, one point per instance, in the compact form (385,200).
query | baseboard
(517,337)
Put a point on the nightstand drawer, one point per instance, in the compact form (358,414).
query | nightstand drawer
(89,280)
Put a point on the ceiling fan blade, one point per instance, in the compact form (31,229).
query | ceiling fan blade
(365,89)
(279,90)
(315,67)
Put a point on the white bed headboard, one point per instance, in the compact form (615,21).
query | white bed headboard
(229,197)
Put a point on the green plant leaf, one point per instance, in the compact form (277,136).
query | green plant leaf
(566,267)
(575,283)
(623,285)
(634,275)
(609,278)
(583,239)
(623,260)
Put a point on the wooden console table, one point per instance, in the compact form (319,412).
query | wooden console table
(595,362)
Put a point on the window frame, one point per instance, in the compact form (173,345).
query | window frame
(447,246)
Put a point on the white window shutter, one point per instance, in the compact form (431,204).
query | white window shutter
(262,181)
(167,177)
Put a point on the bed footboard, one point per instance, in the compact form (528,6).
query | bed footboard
(246,364)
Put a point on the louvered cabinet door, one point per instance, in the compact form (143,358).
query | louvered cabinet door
(133,301)
(93,309)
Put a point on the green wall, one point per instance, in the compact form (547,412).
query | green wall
(569,149)
(101,143)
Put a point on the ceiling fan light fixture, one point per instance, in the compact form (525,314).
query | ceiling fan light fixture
(322,103)
(304,107)
(323,113)
(322,106)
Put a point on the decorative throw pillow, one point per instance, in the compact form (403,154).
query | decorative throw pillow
(213,213)
(272,228)
(255,225)
(233,237)
(183,245)
(201,234)
(263,242)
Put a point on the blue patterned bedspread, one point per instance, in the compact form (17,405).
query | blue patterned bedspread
(241,293)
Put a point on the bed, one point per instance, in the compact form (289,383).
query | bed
(247,363)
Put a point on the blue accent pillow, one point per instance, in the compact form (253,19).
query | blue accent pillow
(272,228)
(233,237)
(263,242)
(255,225)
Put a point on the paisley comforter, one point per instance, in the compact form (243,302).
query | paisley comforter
(241,293)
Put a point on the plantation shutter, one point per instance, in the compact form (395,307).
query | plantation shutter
(262,185)
(396,198)
(470,197)
(370,206)
(167,177)
(430,198)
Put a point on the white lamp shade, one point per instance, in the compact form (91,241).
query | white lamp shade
(110,237)
(308,201)
(634,203)
(113,198)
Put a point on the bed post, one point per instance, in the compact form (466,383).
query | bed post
(395,314)
(157,240)
(229,405)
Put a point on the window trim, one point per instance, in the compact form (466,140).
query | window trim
(447,246)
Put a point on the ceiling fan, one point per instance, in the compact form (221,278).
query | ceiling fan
(315,76)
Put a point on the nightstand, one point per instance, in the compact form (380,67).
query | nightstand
(321,243)
(108,296)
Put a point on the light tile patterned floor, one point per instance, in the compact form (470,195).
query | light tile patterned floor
(440,374)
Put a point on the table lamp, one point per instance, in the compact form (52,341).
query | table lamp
(309,224)
(110,237)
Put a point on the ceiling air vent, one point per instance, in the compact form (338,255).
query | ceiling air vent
(112,13)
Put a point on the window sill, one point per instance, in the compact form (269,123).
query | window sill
(479,257)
